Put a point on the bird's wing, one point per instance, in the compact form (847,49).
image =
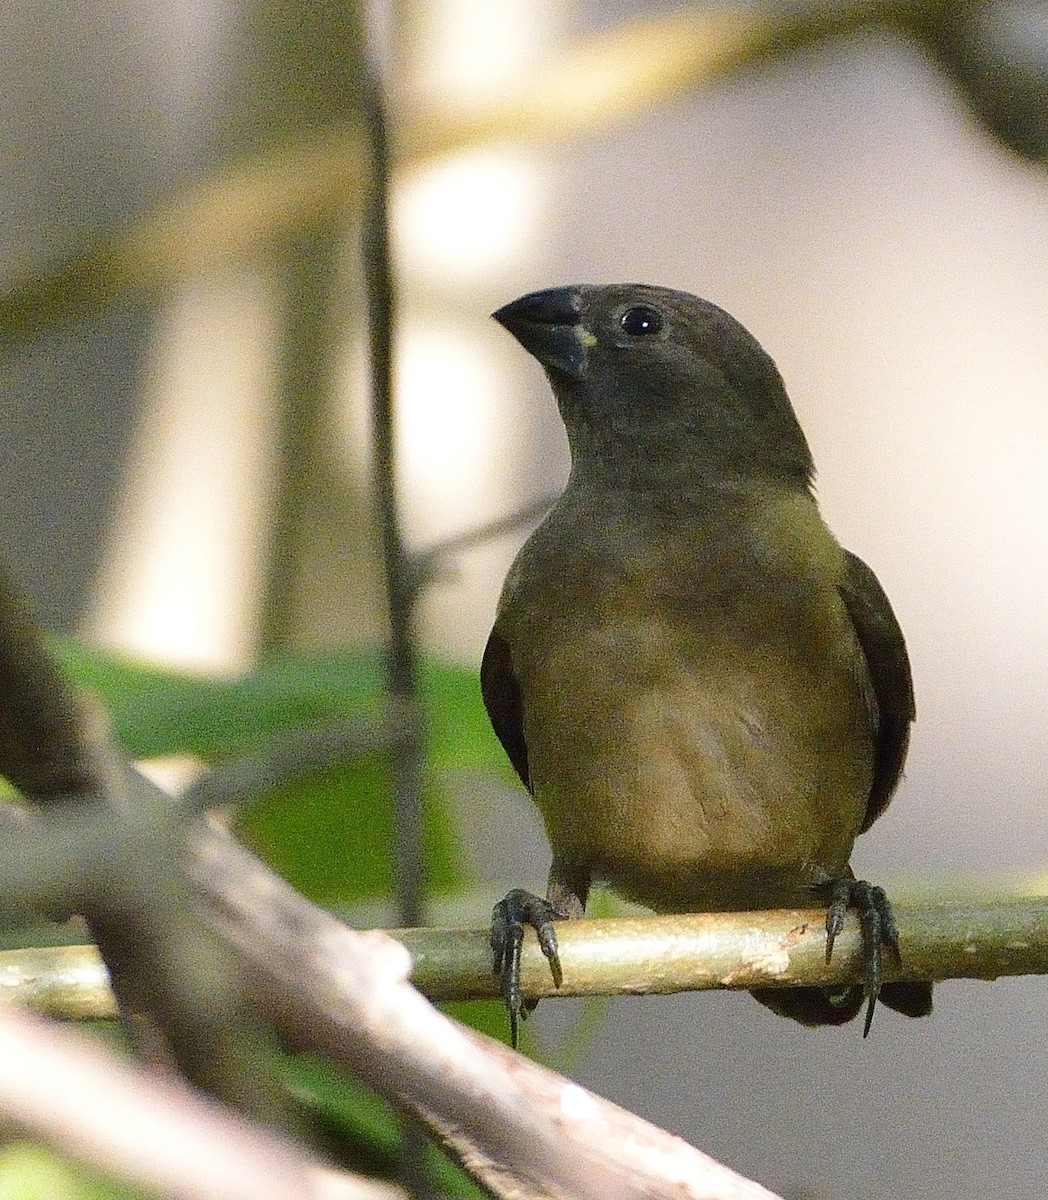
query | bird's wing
(889,665)
(502,699)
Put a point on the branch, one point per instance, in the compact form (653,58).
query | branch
(430,564)
(290,755)
(43,749)
(626,70)
(307,262)
(518,1128)
(152,1131)
(640,955)
(521,1130)
(408,757)
(658,955)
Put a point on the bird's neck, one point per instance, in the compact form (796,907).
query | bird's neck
(654,475)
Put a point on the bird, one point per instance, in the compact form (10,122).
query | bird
(707,697)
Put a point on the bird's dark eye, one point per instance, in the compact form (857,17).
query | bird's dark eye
(641,321)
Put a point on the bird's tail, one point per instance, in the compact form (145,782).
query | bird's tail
(829,1006)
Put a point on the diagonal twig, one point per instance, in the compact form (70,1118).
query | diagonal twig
(429,564)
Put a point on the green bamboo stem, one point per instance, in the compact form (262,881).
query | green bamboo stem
(638,955)
(643,955)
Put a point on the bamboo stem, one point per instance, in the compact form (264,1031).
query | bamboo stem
(638,955)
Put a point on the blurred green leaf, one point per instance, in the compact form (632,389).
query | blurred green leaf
(32,1172)
(485,1016)
(332,836)
(157,711)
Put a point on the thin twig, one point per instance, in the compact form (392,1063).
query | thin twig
(664,954)
(290,754)
(402,657)
(408,753)
(429,564)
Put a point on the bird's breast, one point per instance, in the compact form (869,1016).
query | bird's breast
(701,736)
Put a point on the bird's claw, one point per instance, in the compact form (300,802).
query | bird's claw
(509,918)
(877,922)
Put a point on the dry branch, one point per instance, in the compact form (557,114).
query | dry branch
(523,1131)
(155,1132)
(520,1129)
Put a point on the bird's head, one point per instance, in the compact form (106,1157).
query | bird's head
(648,378)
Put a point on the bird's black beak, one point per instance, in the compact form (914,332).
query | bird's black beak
(548,325)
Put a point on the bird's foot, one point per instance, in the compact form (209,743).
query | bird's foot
(877,922)
(509,918)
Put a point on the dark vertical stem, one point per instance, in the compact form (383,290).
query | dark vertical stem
(402,657)
(408,752)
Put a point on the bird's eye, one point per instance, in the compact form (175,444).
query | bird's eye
(641,321)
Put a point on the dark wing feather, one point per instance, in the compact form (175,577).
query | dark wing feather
(502,699)
(885,650)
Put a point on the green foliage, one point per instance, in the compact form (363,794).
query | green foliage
(486,1016)
(157,711)
(333,837)
(32,1172)
(330,835)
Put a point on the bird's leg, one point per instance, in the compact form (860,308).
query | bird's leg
(509,918)
(566,895)
(877,922)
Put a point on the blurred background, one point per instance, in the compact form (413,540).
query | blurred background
(183,421)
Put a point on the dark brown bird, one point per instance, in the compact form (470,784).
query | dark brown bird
(707,697)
